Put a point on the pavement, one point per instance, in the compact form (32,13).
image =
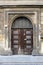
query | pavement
(21,60)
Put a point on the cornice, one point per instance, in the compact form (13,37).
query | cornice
(35,2)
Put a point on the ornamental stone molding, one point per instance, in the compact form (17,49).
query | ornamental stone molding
(31,13)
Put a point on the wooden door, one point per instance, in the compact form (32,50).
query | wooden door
(22,41)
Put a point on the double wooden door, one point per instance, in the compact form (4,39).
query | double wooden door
(22,41)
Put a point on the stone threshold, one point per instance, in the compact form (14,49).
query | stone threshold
(21,59)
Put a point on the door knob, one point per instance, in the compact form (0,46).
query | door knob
(24,33)
(25,39)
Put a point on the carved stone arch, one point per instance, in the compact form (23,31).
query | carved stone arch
(11,21)
(11,15)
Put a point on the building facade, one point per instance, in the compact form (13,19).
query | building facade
(21,27)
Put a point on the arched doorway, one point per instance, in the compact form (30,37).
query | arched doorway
(22,36)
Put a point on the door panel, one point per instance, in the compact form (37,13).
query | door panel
(22,41)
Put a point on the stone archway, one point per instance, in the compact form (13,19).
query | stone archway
(31,14)
(22,36)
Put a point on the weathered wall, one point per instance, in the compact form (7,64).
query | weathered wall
(21,2)
(3,34)
(41,31)
(2,27)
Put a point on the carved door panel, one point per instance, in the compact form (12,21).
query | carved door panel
(22,41)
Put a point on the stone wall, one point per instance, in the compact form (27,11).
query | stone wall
(4,44)
(2,27)
(41,31)
(21,2)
